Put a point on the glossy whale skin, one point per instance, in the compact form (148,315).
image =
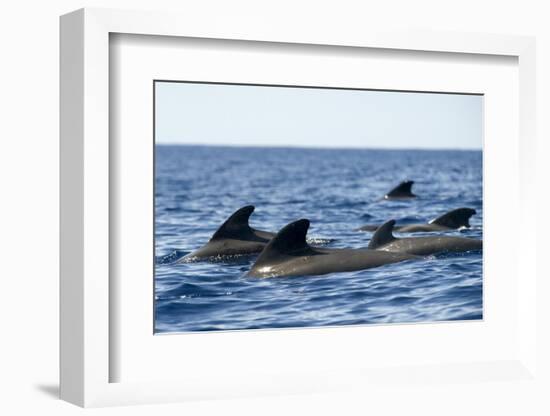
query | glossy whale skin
(288,254)
(384,240)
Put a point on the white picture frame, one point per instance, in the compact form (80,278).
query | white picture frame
(86,355)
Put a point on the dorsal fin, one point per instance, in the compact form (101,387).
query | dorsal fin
(291,238)
(402,190)
(383,235)
(236,225)
(455,219)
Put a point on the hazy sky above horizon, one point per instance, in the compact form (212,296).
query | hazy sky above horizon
(210,114)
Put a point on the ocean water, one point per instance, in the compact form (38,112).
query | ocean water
(338,190)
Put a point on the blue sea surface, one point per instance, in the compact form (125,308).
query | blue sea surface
(338,190)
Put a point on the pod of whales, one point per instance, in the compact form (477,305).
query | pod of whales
(289,254)
(235,237)
(383,239)
(452,220)
(401,191)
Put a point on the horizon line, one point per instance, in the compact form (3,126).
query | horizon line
(290,146)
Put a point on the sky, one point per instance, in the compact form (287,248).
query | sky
(247,115)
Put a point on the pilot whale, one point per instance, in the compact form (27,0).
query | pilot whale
(289,254)
(452,220)
(234,237)
(401,191)
(384,240)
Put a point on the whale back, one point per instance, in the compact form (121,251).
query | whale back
(383,235)
(403,190)
(236,226)
(455,219)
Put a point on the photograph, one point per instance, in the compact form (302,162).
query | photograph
(286,206)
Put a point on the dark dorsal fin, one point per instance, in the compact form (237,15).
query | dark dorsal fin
(291,238)
(383,235)
(403,190)
(236,225)
(455,219)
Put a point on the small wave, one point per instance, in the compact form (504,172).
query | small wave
(227,258)
(190,291)
(450,254)
(171,258)
(320,240)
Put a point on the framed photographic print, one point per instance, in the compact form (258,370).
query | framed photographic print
(315,158)
(259,212)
